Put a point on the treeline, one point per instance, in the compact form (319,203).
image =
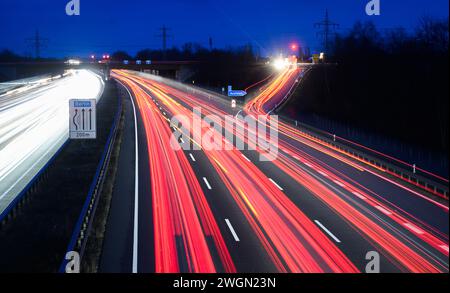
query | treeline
(9,56)
(214,68)
(392,83)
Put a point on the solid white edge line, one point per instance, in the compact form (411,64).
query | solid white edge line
(136,184)
(327,231)
(410,190)
(207,183)
(279,187)
(233,232)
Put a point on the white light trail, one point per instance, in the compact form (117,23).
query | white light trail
(33,126)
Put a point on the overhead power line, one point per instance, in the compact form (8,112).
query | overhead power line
(327,30)
(164,36)
(37,42)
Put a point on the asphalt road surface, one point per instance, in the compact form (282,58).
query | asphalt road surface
(289,205)
(34,124)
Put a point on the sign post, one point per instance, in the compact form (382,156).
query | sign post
(83,119)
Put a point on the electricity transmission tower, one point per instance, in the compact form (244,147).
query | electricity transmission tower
(164,35)
(37,42)
(327,29)
(210,41)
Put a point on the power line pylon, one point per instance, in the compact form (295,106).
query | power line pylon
(164,36)
(327,30)
(210,41)
(37,42)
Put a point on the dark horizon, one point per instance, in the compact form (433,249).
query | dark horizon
(268,27)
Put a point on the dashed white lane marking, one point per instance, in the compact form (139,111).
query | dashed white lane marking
(383,210)
(323,173)
(339,183)
(192,157)
(207,183)
(359,195)
(164,113)
(308,164)
(182,140)
(279,187)
(236,238)
(327,231)
(444,247)
(413,228)
(246,158)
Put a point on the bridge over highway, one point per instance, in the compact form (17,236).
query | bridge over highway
(180,70)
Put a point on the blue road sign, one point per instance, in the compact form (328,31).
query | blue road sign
(82,119)
(81,104)
(235,93)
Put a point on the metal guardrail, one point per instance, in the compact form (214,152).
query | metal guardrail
(84,224)
(24,196)
(411,174)
(418,179)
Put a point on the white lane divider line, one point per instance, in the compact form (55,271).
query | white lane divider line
(327,231)
(246,157)
(323,173)
(413,228)
(308,164)
(359,195)
(192,157)
(339,183)
(182,140)
(383,210)
(207,183)
(279,187)
(236,238)
(444,247)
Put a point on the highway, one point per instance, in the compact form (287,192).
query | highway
(217,208)
(34,124)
